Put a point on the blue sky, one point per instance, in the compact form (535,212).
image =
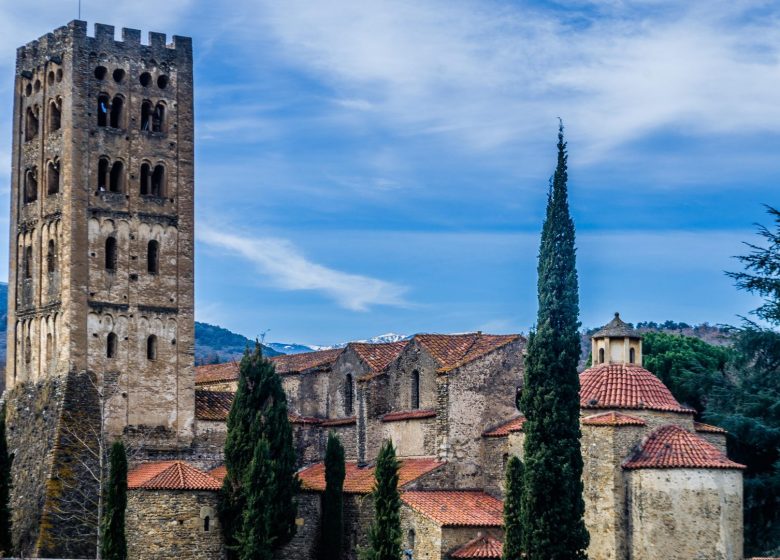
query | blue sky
(365,167)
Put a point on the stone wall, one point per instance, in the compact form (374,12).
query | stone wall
(420,535)
(412,438)
(303,546)
(180,524)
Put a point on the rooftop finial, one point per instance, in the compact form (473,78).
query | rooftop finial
(617,315)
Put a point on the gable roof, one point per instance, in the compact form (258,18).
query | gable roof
(484,546)
(452,351)
(626,386)
(377,356)
(360,480)
(216,373)
(612,419)
(287,364)
(503,430)
(456,508)
(170,475)
(671,447)
(212,405)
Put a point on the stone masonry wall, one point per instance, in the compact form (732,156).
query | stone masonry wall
(420,535)
(303,546)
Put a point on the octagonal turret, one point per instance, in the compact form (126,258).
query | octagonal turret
(617,343)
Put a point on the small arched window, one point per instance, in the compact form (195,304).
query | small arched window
(111,345)
(55,114)
(151,347)
(153,257)
(31,185)
(601,355)
(27,350)
(117,178)
(116,112)
(415,400)
(146,178)
(631,355)
(111,254)
(103,104)
(51,257)
(102,174)
(206,524)
(411,538)
(50,348)
(349,388)
(31,123)
(158,118)
(146,116)
(28,258)
(158,181)
(53,177)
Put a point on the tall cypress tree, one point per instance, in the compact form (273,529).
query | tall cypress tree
(513,522)
(5,491)
(333,500)
(114,544)
(254,536)
(553,506)
(259,412)
(384,535)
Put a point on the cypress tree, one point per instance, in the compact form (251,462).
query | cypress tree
(513,522)
(259,412)
(114,544)
(384,535)
(5,490)
(254,537)
(553,506)
(333,500)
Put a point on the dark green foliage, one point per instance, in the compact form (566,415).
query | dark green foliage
(114,544)
(384,535)
(5,490)
(688,366)
(553,506)
(254,537)
(332,527)
(259,413)
(513,522)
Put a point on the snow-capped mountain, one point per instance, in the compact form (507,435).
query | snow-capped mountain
(293,348)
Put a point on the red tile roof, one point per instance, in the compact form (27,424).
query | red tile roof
(503,430)
(298,419)
(219,473)
(408,415)
(288,364)
(612,419)
(212,405)
(457,508)
(454,350)
(625,386)
(484,546)
(339,421)
(671,447)
(170,475)
(377,356)
(708,428)
(216,373)
(361,480)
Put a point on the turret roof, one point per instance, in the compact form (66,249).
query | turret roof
(484,546)
(672,447)
(617,328)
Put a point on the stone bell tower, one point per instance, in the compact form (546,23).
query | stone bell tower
(100,314)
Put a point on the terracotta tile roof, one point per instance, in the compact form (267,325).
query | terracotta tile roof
(612,419)
(288,364)
(671,447)
(708,428)
(219,472)
(170,475)
(212,405)
(408,415)
(625,386)
(457,508)
(484,546)
(454,350)
(503,430)
(339,421)
(361,480)
(298,419)
(616,327)
(216,373)
(377,356)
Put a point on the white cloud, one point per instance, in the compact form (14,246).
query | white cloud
(284,265)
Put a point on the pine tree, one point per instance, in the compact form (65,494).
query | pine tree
(254,537)
(384,535)
(553,506)
(5,490)
(114,544)
(333,500)
(513,522)
(259,412)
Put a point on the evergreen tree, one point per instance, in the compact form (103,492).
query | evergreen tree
(5,490)
(259,412)
(114,544)
(255,539)
(553,507)
(384,535)
(333,500)
(513,522)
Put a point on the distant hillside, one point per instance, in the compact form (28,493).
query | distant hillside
(215,344)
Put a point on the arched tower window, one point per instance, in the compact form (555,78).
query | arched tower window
(631,355)
(103,103)
(111,345)
(53,177)
(206,524)
(146,178)
(411,538)
(102,175)
(111,254)
(349,388)
(146,115)
(117,105)
(28,257)
(415,400)
(601,355)
(50,348)
(151,347)
(31,185)
(27,350)
(153,257)
(31,123)
(117,178)
(158,118)
(55,114)
(51,257)
(158,181)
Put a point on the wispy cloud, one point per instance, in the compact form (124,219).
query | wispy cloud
(288,269)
